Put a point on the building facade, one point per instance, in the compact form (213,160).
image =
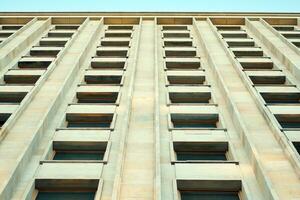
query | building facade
(144,106)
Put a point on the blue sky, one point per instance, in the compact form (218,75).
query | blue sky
(148,5)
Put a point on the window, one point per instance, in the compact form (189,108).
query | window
(234,34)
(185,77)
(35,62)
(279,94)
(45,51)
(120,27)
(175,27)
(66,27)
(267,77)
(3,118)
(240,42)
(176,34)
(189,94)
(67,195)
(297,146)
(193,116)
(288,116)
(19,76)
(284,28)
(203,195)
(256,63)
(79,150)
(103,77)
(78,155)
(247,51)
(13,93)
(228,28)
(182,63)
(53,42)
(200,151)
(124,33)
(94,94)
(178,42)
(107,63)
(60,33)
(180,51)
(112,51)
(115,42)
(90,116)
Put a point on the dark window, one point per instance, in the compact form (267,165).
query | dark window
(3,118)
(88,124)
(281,97)
(209,195)
(194,120)
(65,195)
(78,155)
(289,121)
(194,155)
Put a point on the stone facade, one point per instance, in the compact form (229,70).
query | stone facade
(150,106)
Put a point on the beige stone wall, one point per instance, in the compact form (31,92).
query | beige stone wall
(167,103)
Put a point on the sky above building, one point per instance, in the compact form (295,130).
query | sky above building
(151,5)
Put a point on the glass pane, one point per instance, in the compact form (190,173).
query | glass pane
(78,156)
(200,156)
(65,196)
(191,125)
(88,125)
(209,196)
(290,124)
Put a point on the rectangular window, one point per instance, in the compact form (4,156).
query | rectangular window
(45,51)
(54,41)
(176,34)
(78,155)
(228,27)
(178,42)
(11,27)
(185,77)
(194,116)
(182,63)
(115,42)
(203,195)
(112,51)
(120,27)
(279,94)
(124,33)
(175,27)
(180,51)
(19,76)
(194,120)
(61,33)
(61,195)
(234,34)
(79,150)
(287,116)
(284,28)
(90,116)
(13,93)
(200,151)
(247,51)
(108,63)
(35,62)
(95,94)
(297,146)
(66,27)
(189,94)
(267,77)
(240,42)
(5,112)
(103,77)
